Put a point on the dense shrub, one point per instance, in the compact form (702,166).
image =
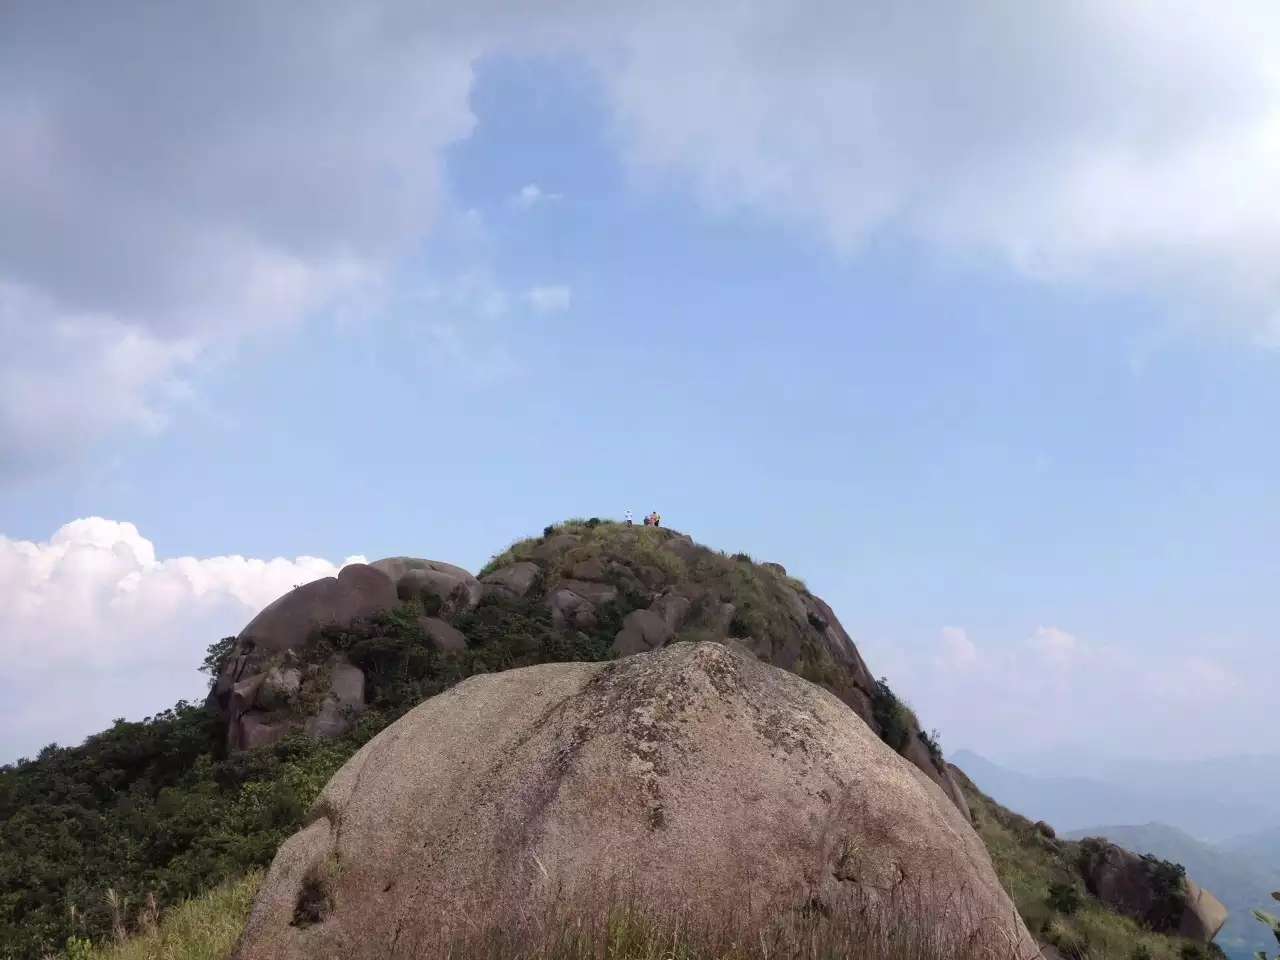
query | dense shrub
(890,716)
(1064,897)
(1169,888)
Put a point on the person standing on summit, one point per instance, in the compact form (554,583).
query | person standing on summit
(627,518)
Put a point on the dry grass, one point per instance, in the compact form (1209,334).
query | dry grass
(631,933)
(205,928)
(208,927)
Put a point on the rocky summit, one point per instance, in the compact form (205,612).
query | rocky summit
(615,589)
(695,777)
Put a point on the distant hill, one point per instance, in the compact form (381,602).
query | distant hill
(1241,879)
(1201,804)
(1258,843)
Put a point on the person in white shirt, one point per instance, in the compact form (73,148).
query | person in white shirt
(627,516)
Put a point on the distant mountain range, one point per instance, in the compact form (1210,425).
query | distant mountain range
(1229,802)
(1241,878)
(1263,843)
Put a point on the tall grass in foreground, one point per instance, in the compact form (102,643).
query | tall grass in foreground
(204,928)
(631,932)
(208,927)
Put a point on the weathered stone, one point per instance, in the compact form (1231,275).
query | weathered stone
(260,729)
(455,588)
(279,687)
(343,703)
(642,631)
(568,609)
(441,635)
(672,608)
(357,591)
(1126,882)
(484,803)
(517,579)
(776,568)
(592,569)
(1204,914)
(277,633)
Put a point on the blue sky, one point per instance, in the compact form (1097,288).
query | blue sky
(1029,458)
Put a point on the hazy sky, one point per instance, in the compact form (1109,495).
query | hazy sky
(968,314)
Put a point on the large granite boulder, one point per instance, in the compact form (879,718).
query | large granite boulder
(1151,891)
(699,781)
(358,591)
(512,580)
(265,691)
(451,589)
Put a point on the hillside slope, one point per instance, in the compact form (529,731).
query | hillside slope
(1031,862)
(1241,879)
(169,807)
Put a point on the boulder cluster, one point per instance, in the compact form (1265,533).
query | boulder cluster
(644,587)
(681,734)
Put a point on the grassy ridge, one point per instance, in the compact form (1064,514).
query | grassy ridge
(1029,863)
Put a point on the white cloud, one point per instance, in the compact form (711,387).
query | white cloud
(171,182)
(95,625)
(1135,145)
(255,166)
(1055,690)
(958,650)
(550,299)
(531,195)
(1057,646)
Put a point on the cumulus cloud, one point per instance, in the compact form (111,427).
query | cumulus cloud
(174,178)
(549,299)
(1129,144)
(1054,689)
(531,195)
(171,180)
(95,625)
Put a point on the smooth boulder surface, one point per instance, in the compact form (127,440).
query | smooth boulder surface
(692,776)
(455,588)
(514,580)
(359,590)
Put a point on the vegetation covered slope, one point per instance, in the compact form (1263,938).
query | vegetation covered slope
(159,811)
(1242,879)
(1041,874)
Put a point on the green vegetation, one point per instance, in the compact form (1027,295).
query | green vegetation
(158,812)
(204,928)
(1032,867)
(207,928)
(890,715)
(1064,898)
(1270,921)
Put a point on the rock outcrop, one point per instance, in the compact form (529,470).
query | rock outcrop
(449,589)
(608,589)
(272,684)
(1151,891)
(656,585)
(693,777)
(264,682)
